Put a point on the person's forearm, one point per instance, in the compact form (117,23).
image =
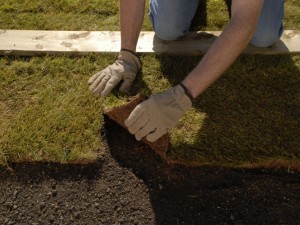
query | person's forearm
(131,20)
(222,53)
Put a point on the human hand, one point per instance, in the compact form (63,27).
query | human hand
(153,117)
(125,68)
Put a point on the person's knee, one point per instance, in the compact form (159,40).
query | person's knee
(168,33)
(171,19)
(166,28)
(264,39)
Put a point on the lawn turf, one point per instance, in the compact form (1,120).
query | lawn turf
(249,116)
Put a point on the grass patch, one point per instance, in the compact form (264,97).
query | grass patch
(47,112)
(249,116)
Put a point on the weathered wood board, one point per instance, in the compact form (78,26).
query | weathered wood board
(40,42)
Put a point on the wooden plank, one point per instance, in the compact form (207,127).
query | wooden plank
(36,42)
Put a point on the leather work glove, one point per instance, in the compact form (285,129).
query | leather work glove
(125,68)
(153,117)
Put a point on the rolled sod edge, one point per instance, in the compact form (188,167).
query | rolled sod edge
(120,113)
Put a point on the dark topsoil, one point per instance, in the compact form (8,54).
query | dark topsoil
(131,185)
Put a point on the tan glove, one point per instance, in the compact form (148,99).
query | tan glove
(125,68)
(153,117)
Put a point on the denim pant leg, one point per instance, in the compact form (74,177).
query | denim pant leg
(269,27)
(171,19)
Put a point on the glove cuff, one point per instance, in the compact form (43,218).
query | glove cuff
(183,99)
(132,52)
(126,54)
(187,92)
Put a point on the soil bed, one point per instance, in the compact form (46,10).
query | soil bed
(132,185)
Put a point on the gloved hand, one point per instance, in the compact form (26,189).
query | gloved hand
(153,117)
(125,68)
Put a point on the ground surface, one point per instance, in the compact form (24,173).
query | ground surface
(133,186)
(249,116)
(251,112)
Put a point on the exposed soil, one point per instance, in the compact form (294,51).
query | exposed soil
(132,185)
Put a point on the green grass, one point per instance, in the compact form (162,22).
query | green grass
(47,112)
(250,116)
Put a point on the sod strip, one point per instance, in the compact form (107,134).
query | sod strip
(38,42)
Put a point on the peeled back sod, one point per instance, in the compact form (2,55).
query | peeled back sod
(120,113)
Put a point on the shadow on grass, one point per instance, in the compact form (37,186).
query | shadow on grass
(252,112)
(200,19)
(206,195)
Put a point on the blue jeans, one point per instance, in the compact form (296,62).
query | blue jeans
(171,19)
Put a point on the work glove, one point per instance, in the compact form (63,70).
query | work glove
(125,68)
(153,117)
